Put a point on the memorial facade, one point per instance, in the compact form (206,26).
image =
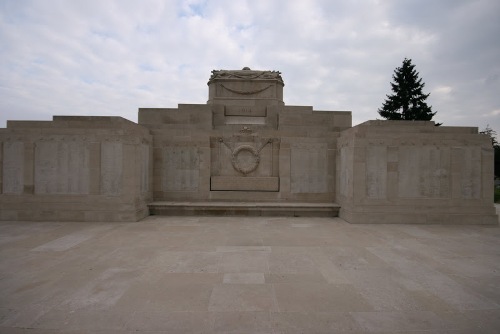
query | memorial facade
(244,152)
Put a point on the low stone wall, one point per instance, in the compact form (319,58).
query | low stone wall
(415,172)
(75,169)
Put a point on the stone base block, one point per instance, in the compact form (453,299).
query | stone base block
(81,209)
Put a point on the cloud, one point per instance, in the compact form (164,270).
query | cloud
(492,113)
(111,57)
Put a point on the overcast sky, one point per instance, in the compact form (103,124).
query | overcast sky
(96,57)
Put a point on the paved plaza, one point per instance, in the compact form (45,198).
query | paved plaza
(248,275)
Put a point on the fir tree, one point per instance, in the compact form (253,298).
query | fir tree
(408,100)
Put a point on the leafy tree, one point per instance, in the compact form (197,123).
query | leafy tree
(408,100)
(497,160)
(492,133)
(496,147)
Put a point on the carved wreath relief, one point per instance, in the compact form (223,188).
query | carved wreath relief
(244,158)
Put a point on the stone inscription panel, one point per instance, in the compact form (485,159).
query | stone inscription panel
(13,167)
(309,168)
(61,167)
(144,156)
(424,171)
(255,111)
(470,178)
(111,168)
(181,169)
(345,182)
(244,183)
(376,172)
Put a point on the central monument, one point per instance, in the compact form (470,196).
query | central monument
(246,101)
(245,144)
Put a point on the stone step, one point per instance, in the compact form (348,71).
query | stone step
(286,209)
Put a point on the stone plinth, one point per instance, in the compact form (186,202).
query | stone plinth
(415,172)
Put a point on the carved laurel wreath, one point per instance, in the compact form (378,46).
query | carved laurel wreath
(236,163)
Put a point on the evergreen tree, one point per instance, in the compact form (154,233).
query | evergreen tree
(408,100)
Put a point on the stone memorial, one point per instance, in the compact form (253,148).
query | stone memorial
(244,152)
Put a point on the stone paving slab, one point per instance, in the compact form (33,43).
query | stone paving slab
(248,275)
